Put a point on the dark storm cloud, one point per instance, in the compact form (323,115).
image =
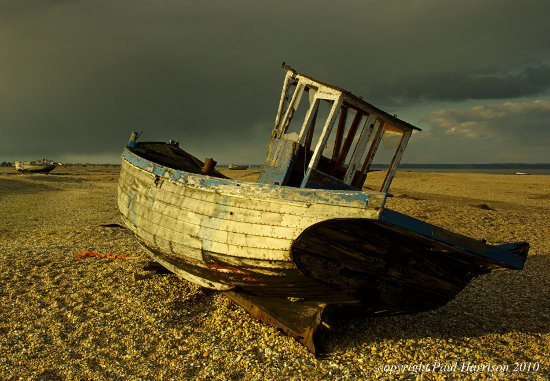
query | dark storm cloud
(76,77)
(468,85)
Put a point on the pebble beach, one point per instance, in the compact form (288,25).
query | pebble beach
(91,318)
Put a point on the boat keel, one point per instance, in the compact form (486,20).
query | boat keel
(299,319)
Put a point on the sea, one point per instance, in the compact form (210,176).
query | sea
(496,169)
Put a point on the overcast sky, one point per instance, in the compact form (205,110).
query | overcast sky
(77,77)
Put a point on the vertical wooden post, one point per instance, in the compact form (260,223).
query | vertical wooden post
(372,150)
(282,101)
(395,161)
(293,105)
(282,124)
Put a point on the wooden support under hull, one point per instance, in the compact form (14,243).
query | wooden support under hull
(299,319)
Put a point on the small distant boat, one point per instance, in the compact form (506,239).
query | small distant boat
(522,173)
(307,240)
(40,166)
(237,167)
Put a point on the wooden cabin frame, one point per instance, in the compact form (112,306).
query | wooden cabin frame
(295,159)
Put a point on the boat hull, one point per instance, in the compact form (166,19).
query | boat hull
(285,242)
(237,167)
(224,234)
(22,166)
(292,256)
(386,268)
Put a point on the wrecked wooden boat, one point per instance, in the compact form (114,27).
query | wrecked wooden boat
(312,236)
(238,167)
(39,166)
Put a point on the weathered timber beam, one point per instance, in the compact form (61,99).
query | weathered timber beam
(301,320)
(395,161)
(372,150)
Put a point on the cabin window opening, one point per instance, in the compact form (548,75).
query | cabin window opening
(352,138)
(323,112)
(310,140)
(343,137)
(322,116)
(290,90)
(370,150)
(298,114)
(309,129)
(335,134)
(383,155)
(290,101)
(360,171)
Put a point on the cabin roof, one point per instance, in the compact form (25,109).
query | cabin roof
(356,101)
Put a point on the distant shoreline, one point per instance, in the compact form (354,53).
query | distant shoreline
(489,171)
(496,169)
(476,166)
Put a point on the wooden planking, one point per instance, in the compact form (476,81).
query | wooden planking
(260,265)
(246,221)
(253,195)
(197,273)
(209,239)
(276,168)
(222,218)
(169,240)
(160,230)
(187,251)
(143,218)
(385,265)
(207,202)
(207,205)
(187,219)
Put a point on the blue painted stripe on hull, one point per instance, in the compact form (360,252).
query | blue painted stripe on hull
(499,254)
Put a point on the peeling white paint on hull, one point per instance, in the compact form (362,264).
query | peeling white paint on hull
(222,233)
